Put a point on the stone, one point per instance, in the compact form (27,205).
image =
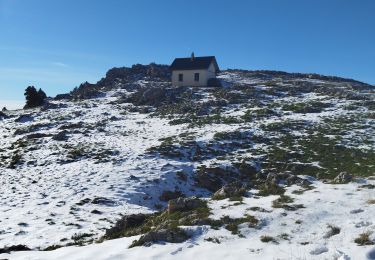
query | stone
(234,189)
(343,178)
(175,235)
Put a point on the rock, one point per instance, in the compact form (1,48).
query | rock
(126,222)
(170,195)
(24,119)
(185,204)
(61,136)
(3,116)
(343,178)
(175,235)
(7,250)
(63,96)
(103,201)
(36,136)
(234,189)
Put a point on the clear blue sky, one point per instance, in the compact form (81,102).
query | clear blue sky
(56,45)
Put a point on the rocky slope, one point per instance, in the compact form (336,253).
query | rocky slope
(283,164)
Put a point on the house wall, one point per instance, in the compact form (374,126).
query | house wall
(188,80)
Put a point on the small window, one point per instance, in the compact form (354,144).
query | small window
(181,77)
(196,76)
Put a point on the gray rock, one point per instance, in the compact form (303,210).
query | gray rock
(175,235)
(343,178)
(234,189)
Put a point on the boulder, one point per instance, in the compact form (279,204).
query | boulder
(185,204)
(175,235)
(234,189)
(343,178)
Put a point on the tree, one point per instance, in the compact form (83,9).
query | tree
(33,97)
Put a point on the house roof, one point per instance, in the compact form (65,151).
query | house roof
(195,63)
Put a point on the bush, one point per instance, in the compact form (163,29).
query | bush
(364,239)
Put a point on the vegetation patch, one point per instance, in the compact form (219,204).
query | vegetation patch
(364,239)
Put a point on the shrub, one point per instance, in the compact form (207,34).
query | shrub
(364,239)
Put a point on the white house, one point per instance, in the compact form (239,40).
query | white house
(193,71)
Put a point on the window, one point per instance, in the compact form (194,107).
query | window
(196,76)
(181,77)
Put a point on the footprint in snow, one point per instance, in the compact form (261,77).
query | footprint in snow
(371,254)
(339,255)
(319,250)
(176,252)
(356,211)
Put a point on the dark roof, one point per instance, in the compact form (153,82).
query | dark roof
(194,64)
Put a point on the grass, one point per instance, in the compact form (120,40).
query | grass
(232,224)
(267,239)
(267,189)
(364,239)
(371,201)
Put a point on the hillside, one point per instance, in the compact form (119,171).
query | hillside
(283,164)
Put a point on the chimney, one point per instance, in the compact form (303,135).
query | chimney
(192,56)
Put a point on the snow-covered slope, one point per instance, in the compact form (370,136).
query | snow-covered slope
(70,170)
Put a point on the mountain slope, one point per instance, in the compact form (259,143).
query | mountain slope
(72,168)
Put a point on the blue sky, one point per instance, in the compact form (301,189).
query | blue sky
(56,44)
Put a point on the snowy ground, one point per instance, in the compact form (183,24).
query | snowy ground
(82,185)
(345,206)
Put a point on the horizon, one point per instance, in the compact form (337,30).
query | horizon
(57,46)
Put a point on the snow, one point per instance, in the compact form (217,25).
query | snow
(325,204)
